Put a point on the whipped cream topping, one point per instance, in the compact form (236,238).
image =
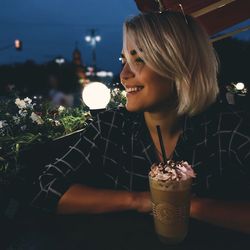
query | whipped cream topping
(172,171)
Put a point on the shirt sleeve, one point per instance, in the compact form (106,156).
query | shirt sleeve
(77,165)
(239,150)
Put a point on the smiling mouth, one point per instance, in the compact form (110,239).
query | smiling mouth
(134,89)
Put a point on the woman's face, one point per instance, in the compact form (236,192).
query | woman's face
(146,89)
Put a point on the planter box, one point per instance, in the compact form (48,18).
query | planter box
(16,191)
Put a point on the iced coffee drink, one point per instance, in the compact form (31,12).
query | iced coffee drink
(170,186)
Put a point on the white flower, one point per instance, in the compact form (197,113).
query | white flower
(16,119)
(124,93)
(61,109)
(3,124)
(36,118)
(21,104)
(27,100)
(87,114)
(23,127)
(116,91)
(23,112)
(57,123)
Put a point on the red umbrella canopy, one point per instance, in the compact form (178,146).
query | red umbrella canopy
(214,15)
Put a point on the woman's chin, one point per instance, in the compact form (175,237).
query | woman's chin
(133,108)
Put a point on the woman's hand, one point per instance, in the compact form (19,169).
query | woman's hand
(142,202)
(80,199)
(229,214)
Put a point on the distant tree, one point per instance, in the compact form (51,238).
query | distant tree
(30,78)
(234,58)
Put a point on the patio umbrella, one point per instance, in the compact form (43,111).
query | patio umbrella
(214,15)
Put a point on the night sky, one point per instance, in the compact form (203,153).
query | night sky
(50,28)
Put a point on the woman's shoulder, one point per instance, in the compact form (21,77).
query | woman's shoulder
(115,118)
(224,111)
(224,117)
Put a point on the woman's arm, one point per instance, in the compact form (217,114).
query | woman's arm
(83,199)
(229,214)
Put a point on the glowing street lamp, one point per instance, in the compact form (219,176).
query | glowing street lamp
(239,85)
(96,96)
(238,88)
(104,74)
(18,45)
(93,39)
(60,60)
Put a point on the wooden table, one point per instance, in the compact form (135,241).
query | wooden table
(117,231)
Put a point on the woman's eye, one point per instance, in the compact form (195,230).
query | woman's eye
(139,60)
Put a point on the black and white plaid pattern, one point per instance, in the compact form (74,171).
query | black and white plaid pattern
(116,151)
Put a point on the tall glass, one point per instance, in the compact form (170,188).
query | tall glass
(171,206)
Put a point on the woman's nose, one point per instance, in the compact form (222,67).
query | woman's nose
(126,73)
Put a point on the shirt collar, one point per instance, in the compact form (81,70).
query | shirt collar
(187,127)
(142,136)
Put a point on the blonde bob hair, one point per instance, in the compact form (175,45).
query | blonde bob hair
(179,49)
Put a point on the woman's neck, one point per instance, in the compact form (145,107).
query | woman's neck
(170,129)
(168,121)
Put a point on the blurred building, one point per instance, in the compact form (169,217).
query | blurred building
(77,57)
(79,66)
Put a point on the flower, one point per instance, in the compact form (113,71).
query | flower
(23,112)
(57,123)
(61,109)
(3,124)
(16,119)
(23,127)
(118,98)
(27,100)
(23,122)
(36,118)
(20,103)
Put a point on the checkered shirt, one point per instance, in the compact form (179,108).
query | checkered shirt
(116,151)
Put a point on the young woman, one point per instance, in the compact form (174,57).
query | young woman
(169,74)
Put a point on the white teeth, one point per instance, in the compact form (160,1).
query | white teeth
(134,89)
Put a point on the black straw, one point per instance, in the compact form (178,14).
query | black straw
(161,144)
